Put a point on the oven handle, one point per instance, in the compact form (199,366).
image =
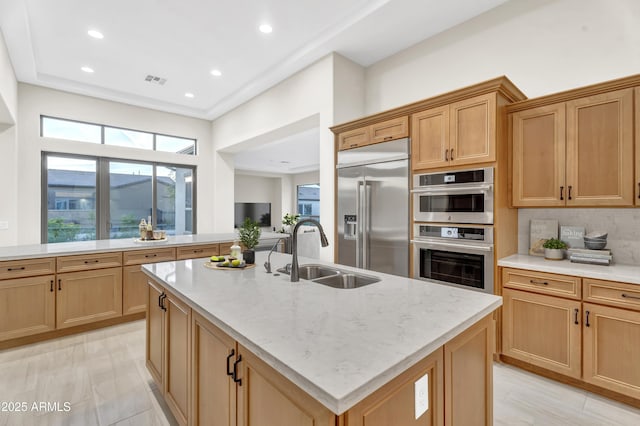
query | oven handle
(487,248)
(453,189)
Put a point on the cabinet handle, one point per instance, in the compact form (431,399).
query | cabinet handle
(628,296)
(16,269)
(638,189)
(198,251)
(575,320)
(587,321)
(446,155)
(451,154)
(164,297)
(51,288)
(353,145)
(160,300)
(538,282)
(561,193)
(92,261)
(59,285)
(229,372)
(570,191)
(150,255)
(388,138)
(235,371)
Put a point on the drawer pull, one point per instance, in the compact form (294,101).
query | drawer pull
(198,251)
(235,371)
(60,285)
(538,282)
(388,138)
(16,269)
(91,261)
(570,191)
(229,372)
(587,322)
(575,312)
(561,193)
(353,145)
(150,255)
(628,296)
(51,288)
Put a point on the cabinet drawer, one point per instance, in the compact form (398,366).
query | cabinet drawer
(543,283)
(87,262)
(194,252)
(137,257)
(612,293)
(27,268)
(396,128)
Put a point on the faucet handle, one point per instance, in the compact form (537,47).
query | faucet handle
(267,266)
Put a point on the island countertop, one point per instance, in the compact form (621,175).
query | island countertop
(337,345)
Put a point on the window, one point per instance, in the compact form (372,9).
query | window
(89,198)
(309,201)
(95,133)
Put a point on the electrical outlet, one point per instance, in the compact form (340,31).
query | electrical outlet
(4,224)
(421,395)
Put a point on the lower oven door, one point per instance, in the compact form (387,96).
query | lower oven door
(464,265)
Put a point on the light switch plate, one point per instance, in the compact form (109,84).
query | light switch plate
(4,224)
(421,394)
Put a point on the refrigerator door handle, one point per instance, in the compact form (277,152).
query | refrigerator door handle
(359,219)
(366,226)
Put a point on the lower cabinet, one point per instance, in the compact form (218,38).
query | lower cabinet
(542,330)
(28,306)
(88,296)
(168,352)
(611,343)
(134,290)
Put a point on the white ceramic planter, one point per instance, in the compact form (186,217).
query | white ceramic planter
(554,254)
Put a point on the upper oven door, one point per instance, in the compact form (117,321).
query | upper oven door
(461,204)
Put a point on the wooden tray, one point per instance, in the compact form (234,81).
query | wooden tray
(138,240)
(213,265)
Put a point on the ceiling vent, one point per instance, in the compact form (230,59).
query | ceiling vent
(155,79)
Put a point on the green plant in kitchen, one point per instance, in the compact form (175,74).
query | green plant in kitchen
(555,244)
(290,219)
(249,237)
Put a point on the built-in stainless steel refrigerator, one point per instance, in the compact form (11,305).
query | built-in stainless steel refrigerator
(373,207)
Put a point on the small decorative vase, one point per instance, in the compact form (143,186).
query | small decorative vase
(286,229)
(554,254)
(249,256)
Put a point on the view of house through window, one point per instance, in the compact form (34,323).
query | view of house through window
(309,201)
(98,198)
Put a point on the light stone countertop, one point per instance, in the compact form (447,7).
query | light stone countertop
(337,345)
(84,247)
(614,272)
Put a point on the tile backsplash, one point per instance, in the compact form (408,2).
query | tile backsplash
(623,226)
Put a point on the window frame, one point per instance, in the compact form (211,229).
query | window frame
(316,217)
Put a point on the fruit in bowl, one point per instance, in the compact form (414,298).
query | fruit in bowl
(217,258)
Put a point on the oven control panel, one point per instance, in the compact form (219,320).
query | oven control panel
(476,233)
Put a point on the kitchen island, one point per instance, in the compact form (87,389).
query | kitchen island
(245,345)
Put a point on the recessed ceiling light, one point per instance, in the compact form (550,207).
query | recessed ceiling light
(87,69)
(265,28)
(216,73)
(189,95)
(95,34)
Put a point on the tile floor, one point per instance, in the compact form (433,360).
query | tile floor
(101,375)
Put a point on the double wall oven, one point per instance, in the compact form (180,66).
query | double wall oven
(453,231)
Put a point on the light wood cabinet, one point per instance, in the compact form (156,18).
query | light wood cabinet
(637,144)
(27,268)
(612,349)
(539,152)
(88,296)
(197,251)
(575,153)
(85,262)
(168,351)
(138,257)
(542,282)
(384,131)
(542,330)
(28,306)
(458,134)
(134,281)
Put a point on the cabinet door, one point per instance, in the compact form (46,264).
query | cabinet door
(542,330)
(354,138)
(155,333)
(177,357)
(612,349)
(28,306)
(213,390)
(88,296)
(134,290)
(473,130)
(395,402)
(430,138)
(600,150)
(396,128)
(538,137)
(637,120)
(266,398)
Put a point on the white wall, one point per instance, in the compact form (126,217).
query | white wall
(34,101)
(260,189)
(8,87)
(543,46)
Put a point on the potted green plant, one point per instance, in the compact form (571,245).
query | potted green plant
(554,249)
(249,237)
(288,221)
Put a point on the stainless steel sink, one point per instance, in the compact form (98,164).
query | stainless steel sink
(332,277)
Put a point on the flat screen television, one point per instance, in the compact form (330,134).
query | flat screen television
(260,212)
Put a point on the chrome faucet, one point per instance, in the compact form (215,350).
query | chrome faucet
(294,246)
(267,264)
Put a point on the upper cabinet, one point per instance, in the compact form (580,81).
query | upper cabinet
(396,128)
(460,133)
(574,153)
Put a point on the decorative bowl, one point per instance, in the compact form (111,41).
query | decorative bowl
(595,245)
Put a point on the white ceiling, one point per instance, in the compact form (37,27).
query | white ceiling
(183,41)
